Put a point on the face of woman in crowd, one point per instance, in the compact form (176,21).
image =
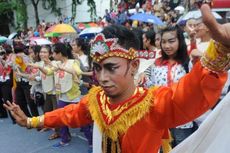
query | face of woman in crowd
(75,48)
(31,53)
(158,40)
(190,25)
(57,56)
(146,42)
(44,54)
(201,29)
(170,43)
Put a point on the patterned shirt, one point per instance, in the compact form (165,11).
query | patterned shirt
(163,73)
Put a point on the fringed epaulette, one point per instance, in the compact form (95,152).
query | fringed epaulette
(115,122)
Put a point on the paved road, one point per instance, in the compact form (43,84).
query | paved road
(15,139)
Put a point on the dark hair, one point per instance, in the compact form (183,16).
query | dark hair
(138,32)
(18,47)
(182,54)
(126,38)
(81,42)
(150,35)
(36,49)
(60,48)
(69,51)
(7,48)
(85,47)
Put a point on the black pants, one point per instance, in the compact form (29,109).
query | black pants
(5,95)
(23,98)
(3,112)
(180,134)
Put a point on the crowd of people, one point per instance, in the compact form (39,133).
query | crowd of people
(99,80)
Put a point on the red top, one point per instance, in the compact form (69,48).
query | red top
(170,107)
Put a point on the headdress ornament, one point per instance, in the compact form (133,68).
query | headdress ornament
(102,48)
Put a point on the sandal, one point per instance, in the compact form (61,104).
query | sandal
(60,144)
(53,136)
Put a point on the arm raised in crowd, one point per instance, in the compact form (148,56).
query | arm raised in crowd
(219,32)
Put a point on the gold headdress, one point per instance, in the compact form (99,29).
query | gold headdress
(103,48)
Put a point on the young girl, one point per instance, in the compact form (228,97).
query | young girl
(169,68)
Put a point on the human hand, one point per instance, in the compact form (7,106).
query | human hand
(33,65)
(17,113)
(31,77)
(196,53)
(192,33)
(219,32)
(141,79)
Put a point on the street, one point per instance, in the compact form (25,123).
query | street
(15,139)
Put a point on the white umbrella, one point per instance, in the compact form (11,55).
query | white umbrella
(196,14)
(12,35)
(90,31)
(39,41)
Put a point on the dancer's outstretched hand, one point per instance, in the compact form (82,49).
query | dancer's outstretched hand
(17,113)
(219,32)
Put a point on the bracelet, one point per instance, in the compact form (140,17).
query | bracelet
(217,58)
(35,122)
(28,124)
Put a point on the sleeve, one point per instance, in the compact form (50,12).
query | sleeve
(73,115)
(76,67)
(149,76)
(184,101)
(49,70)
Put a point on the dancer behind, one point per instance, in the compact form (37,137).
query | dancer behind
(121,109)
(48,85)
(22,70)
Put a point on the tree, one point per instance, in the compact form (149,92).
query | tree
(35,5)
(21,13)
(6,17)
(52,6)
(92,8)
(91,4)
(7,7)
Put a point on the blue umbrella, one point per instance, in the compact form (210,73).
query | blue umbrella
(143,17)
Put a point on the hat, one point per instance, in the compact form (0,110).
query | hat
(103,48)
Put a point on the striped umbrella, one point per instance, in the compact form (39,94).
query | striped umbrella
(82,26)
(61,28)
(52,34)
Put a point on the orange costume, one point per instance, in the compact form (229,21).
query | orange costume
(138,123)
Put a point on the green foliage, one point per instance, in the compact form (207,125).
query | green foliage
(5,7)
(21,13)
(51,5)
(92,8)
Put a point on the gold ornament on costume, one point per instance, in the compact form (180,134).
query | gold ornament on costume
(103,48)
(216,58)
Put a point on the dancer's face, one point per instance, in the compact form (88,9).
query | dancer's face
(115,75)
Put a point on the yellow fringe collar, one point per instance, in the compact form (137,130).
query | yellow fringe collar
(126,115)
